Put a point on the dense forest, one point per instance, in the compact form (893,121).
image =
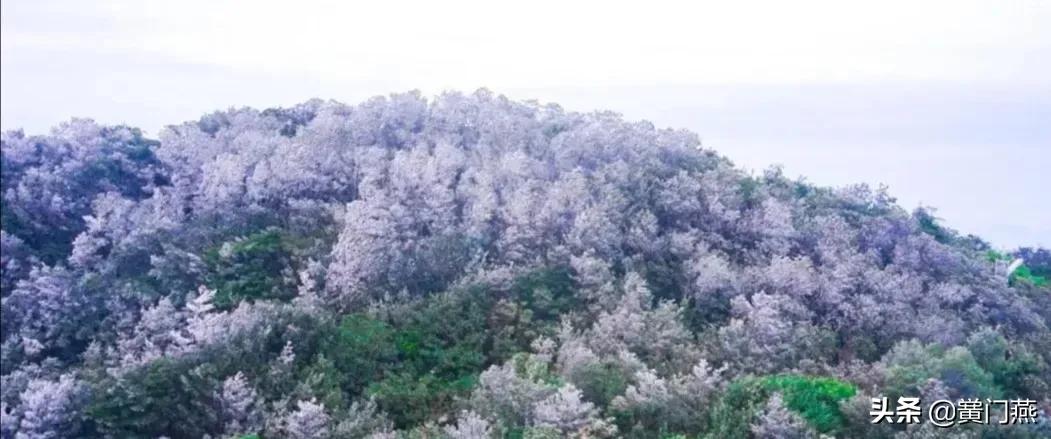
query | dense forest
(468,266)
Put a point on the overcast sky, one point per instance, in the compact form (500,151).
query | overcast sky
(947,102)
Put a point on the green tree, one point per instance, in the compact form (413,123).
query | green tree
(816,399)
(163,398)
(250,268)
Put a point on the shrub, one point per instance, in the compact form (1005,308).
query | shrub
(360,349)
(816,399)
(601,382)
(163,398)
(910,365)
(251,268)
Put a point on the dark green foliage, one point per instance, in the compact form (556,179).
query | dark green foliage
(413,399)
(176,398)
(418,360)
(416,366)
(910,365)
(326,382)
(707,312)
(119,160)
(251,268)
(531,308)
(749,187)
(49,244)
(601,382)
(359,348)
(816,399)
(928,224)
(1024,275)
(1037,259)
(118,169)
(1014,368)
(733,414)
(665,279)
(163,398)
(413,370)
(437,263)
(445,334)
(548,292)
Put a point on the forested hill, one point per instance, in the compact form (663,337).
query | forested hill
(469,266)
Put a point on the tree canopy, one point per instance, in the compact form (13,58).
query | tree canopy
(469,266)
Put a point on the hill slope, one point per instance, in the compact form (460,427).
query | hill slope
(471,266)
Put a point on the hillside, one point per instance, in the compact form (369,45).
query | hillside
(469,266)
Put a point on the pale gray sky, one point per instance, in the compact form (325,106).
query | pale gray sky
(947,102)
